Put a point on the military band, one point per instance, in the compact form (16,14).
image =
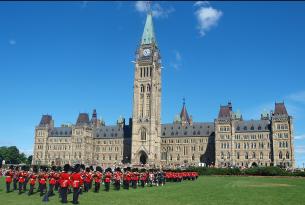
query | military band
(78,178)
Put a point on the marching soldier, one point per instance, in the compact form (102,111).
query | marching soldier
(64,183)
(97,178)
(77,181)
(33,178)
(21,180)
(107,179)
(42,180)
(52,182)
(15,177)
(143,178)
(117,179)
(87,179)
(8,179)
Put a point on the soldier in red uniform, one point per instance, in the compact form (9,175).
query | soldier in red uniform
(117,178)
(143,178)
(8,179)
(64,181)
(87,179)
(52,181)
(98,178)
(21,180)
(33,177)
(76,180)
(107,180)
(42,180)
(15,177)
(56,177)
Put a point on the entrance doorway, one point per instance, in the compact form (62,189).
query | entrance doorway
(143,157)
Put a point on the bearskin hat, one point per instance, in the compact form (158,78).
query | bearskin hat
(35,169)
(82,166)
(53,168)
(91,168)
(77,168)
(118,169)
(108,170)
(128,169)
(66,167)
(87,169)
(11,167)
(99,169)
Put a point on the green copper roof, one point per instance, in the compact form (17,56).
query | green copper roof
(148,36)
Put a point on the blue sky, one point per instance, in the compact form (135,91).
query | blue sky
(71,57)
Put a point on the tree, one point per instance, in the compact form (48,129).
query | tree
(29,160)
(11,155)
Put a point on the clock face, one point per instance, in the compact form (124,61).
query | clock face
(146,52)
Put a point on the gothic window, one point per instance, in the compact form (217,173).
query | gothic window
(280,155)
(238,128)
(245,127)
(261,155)
(287,155)
(259,127)
(143,134)
(252,127)
(286,144)
(193,157)
(246,155)
(253,155)
(237,155)
(142,88)
(222,155)
(228,155)
(178,157)
(141,72)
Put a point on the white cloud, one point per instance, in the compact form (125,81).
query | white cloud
(201,3)
(297,97)
(207,18)
(177,63)
(157,10)
(300,149)
(300,137)
(12,42)
(142,6)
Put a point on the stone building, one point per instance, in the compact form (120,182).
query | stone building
(228,141)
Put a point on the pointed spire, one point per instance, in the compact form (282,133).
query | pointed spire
(184,115)
(148,36)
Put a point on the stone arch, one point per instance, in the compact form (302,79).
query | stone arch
(143,158)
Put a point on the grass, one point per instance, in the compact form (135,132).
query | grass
(206,190)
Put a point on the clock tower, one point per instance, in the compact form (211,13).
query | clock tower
(146,116)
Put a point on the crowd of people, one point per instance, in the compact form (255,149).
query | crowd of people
(80,179)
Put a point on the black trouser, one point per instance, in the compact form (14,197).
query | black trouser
(56,186)
(75,195)
(117,185)
(43,187)
(24,184)
(31,191)
(63,194)
(107,185)
(20,187)
(15,184)
(86,186)
(97,186)
(8,187)
(142,183)
(90,184)
(51,190)
(127,184)
(134,184)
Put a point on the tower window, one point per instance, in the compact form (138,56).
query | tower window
(143,134)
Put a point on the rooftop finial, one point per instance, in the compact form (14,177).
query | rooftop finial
(183,100)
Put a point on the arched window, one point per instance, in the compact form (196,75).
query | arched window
(286,144)
(178,157)
(287,155)
(193,157)
(246,155)
(142,88)
(253,155)
(148,88)
(228,155)
(237,155)
(261,155)
(143,134)
(222,155)
(280,155)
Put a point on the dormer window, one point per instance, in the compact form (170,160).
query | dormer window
(238,128)
(245,127)
(252,127)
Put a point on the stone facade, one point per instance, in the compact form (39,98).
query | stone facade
(228,141)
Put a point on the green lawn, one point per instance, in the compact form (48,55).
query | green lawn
(206,190)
